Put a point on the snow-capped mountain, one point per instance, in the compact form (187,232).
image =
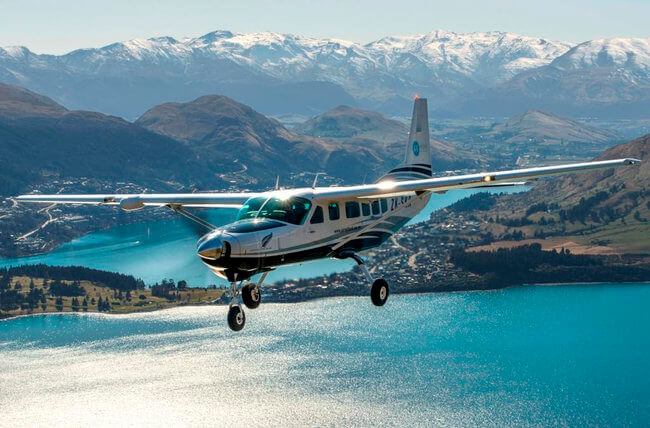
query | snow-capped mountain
(601,53)
(282,73)
(604,77)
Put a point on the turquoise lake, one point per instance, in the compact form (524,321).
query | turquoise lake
(167,249)
(526,356)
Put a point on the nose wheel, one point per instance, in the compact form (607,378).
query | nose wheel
(251,296)
(236,318)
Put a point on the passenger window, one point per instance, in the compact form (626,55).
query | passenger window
(365,210)
(375,207)
(352,209)
(384,205)
(333,211)
(318,216)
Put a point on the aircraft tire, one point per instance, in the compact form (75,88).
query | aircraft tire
(236,318)
(251,296)
(379,292)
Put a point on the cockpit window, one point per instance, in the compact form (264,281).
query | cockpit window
(250,208)
(291,210)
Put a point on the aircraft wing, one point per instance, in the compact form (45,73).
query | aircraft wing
(137,201)
(469,181)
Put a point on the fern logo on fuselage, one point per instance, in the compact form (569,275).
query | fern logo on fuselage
(266,240)
(416,148)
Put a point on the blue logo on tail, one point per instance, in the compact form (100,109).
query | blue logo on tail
(416,148)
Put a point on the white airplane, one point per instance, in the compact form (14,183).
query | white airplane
(281,227)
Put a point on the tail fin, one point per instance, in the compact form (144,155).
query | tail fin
(417,163)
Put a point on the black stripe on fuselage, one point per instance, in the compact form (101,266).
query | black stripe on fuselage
(412,169)
(249,266)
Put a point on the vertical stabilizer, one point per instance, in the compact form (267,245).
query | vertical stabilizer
(417,162)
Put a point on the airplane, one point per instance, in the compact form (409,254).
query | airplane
(287,226)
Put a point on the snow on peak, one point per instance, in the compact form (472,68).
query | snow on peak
(614,52)
(468,53)
(15,52)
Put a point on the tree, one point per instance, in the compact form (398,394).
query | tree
(31,283)
(5,279)
(182,284)
(75,304)
(84,304)
(59,304)
(128,295)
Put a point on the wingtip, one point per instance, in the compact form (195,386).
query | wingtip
(632,161)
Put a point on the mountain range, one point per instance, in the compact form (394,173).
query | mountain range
(211,142)
(215,141)
(40,139)
(489,73)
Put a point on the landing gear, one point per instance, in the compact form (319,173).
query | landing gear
(236,318)
(379,292)
(379,288)
(250,295)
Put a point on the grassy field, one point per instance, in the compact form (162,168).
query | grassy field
(141,300)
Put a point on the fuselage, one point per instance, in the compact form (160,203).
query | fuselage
(284,227)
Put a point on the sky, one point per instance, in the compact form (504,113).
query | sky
(59,26)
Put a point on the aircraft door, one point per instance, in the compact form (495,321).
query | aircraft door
(314,223)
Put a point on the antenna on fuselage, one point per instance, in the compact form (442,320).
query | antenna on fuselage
(277,182)
(313,185)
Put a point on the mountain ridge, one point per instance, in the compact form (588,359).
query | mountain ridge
(263,69)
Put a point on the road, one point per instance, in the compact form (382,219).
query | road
(49,220)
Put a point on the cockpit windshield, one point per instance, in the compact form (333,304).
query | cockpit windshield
(291,210)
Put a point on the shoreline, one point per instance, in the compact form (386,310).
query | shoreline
(413,293)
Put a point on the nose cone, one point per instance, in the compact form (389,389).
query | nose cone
(211,248)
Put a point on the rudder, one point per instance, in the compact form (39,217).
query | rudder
(417,162)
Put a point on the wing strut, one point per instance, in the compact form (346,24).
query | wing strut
(180,210)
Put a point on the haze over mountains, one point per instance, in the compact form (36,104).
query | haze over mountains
(538,126)
(203,144)
(486,74)
(40,139)
(233,137)
(214,141)
(356,127)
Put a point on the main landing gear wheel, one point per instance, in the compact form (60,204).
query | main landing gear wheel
(236,318)
(251,296)
(379,292)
